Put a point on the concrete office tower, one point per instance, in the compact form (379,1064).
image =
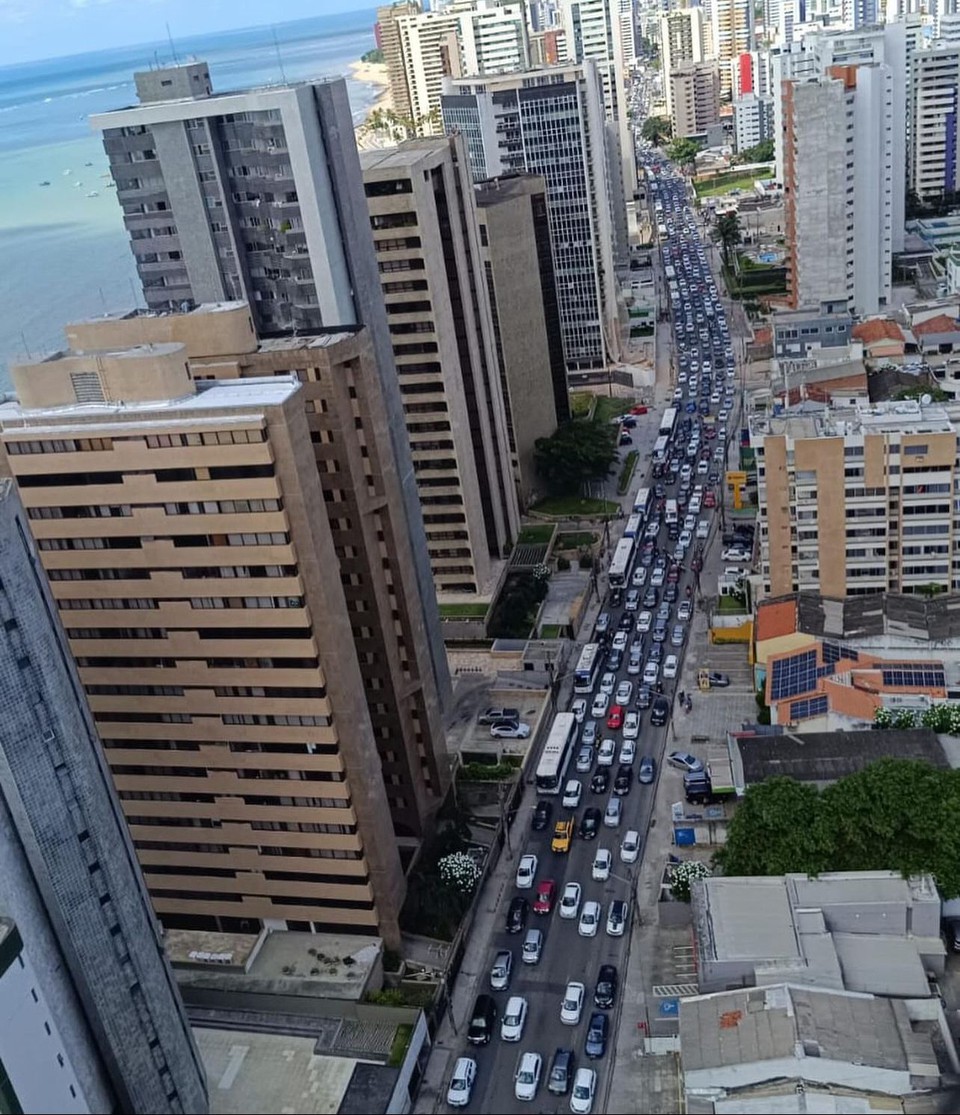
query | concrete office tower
(731,24)
(518,269)
(245,516)
(256,195)
(838,187)
(550,122)
(932,157)
(388,18)
(752,120)
(86,944)
(459,39)
(857,500)
(695,96)
(681,40)
(424,221)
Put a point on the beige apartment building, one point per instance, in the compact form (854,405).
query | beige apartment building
(857,499)
(425,235)
(215,518)
(694,98)
(388,23)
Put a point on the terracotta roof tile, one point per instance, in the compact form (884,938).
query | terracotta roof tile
(942,323)
(776,618)
(877,329)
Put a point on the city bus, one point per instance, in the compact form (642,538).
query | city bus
(668,423)
(555,757)
(661,448)
(622,559)
(643,503)
(633,527)
(588,666)
(671,515)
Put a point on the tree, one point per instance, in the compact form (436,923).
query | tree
(683,152)
(773,832)
(762,153)
(656,129)
(460,871)
(728,234)
(683,875)
(576,452)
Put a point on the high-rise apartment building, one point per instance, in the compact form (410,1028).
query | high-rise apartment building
(550,122)
(209,546)
(682,39)
(456,40)
(731,31)
(860,13)
(934,101)
(425,230)
(753,118)
(750,73)
(90,1016)
(695,97)
(518,269)
(388,30)
(857,499)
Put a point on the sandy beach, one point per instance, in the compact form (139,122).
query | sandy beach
(371,73)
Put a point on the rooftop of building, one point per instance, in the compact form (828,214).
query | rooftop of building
(410,153)
(204,309)
(816,420)
(806,313)
(942,323)
(508,186)
(878,329)
(783,1097)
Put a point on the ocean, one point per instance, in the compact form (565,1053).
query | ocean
(63,253)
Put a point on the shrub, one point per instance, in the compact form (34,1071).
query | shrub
(563,564)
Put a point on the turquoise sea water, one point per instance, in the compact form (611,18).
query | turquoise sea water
(64,254)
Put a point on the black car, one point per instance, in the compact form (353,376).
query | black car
(590,823)
(614,660)
(600,781)
(596,1044)
(562,1069)
(626,622)
(517,914)
(718,680)
(623,780)
(660,712)
(616,597)
(605,994)
(542,815)
(644,697)
(482,1020)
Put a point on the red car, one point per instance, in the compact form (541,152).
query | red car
(673,574)
(546,893)
(709,500)
(638,410)
(615,719)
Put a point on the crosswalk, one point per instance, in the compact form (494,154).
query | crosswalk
(674,990)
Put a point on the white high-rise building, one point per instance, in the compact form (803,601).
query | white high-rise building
(750,73)
(948,29)
(932,161)
(732,34)
(752,120)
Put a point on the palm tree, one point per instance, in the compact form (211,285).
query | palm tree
(728,234)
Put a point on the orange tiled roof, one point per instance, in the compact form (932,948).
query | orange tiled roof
(942,323)
(762,335)
(776,618)
(878,329)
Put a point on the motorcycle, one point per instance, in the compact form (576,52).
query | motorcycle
(688,592)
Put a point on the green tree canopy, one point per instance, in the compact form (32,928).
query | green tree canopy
(728,234)
(683,151)
(578,451)
(897,814)
(762,153)
(656,129)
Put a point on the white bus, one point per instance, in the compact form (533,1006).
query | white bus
(660,449)
(668,423)
(588,666)
(643,503)
(670,515)
(622,559)
(633,527)
(555,757)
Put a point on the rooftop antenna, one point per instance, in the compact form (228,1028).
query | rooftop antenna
(173,49)
(276,46)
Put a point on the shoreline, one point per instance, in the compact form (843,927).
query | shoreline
(371,73)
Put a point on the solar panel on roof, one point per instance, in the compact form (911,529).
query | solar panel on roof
(794,675)
(808,707)
(922,675)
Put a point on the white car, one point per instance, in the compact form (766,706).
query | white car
(690,523)
(527,870)
(723,416)
(685,538)
(579,709)
(736,554)
(685,611)
(602,862)
(703,528)
(644,622)
(630,846)
(461,1082)
(527,1080)
(606,752)
(624,693)
(687,471)
(584,1090)
(514,1019)
(617,914)
(651,673)
(608,682)
(671,664)
(639,578)
(572,793)
(635,664)
(695,504)
(628,752)
(619,641)
(613,813)
(589,919)
(631,723)
(658,576)
(570,901)
(600,705)
(571,1006)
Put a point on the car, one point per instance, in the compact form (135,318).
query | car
(624,625)
(571,1005)
(527,1079)
(660,631)
(572,793)
(645,621)
(588,734)
(671,666)
(685,761)
(624,693)
(614,658)
(630,846)
(590,823)
(527,869)
(622,637)
(509,729)
(685,611)
(561,1072)
(613,813)
(600,780)
(597,1031)
(602,862)
(532,948)
(517,913)
(562,836)
(631,727)
(734,554)
(633,599)
(608,682)
(480,1030)
(606,752)
(600,704)
(542,814)
(492,715)
(660,713)
(602,624)
(623,780)
(651,673)
(546,893)
(500,970)
(657,577)
(634,665)
(514,1018)
(584,759)
(617,918)
(709,500)
(615,719)
(589,919)
(579,709)
(628,751)
(650,597)
(639,578)
(461,1082)
(584,1091)
(647,771)
(717,680)
(570,901)
(605,993)
(616,596)
(644,697)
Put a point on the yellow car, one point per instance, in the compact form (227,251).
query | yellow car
(562,836)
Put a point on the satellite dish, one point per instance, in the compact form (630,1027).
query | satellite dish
(926,400)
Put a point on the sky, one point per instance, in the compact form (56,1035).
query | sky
(35,29)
